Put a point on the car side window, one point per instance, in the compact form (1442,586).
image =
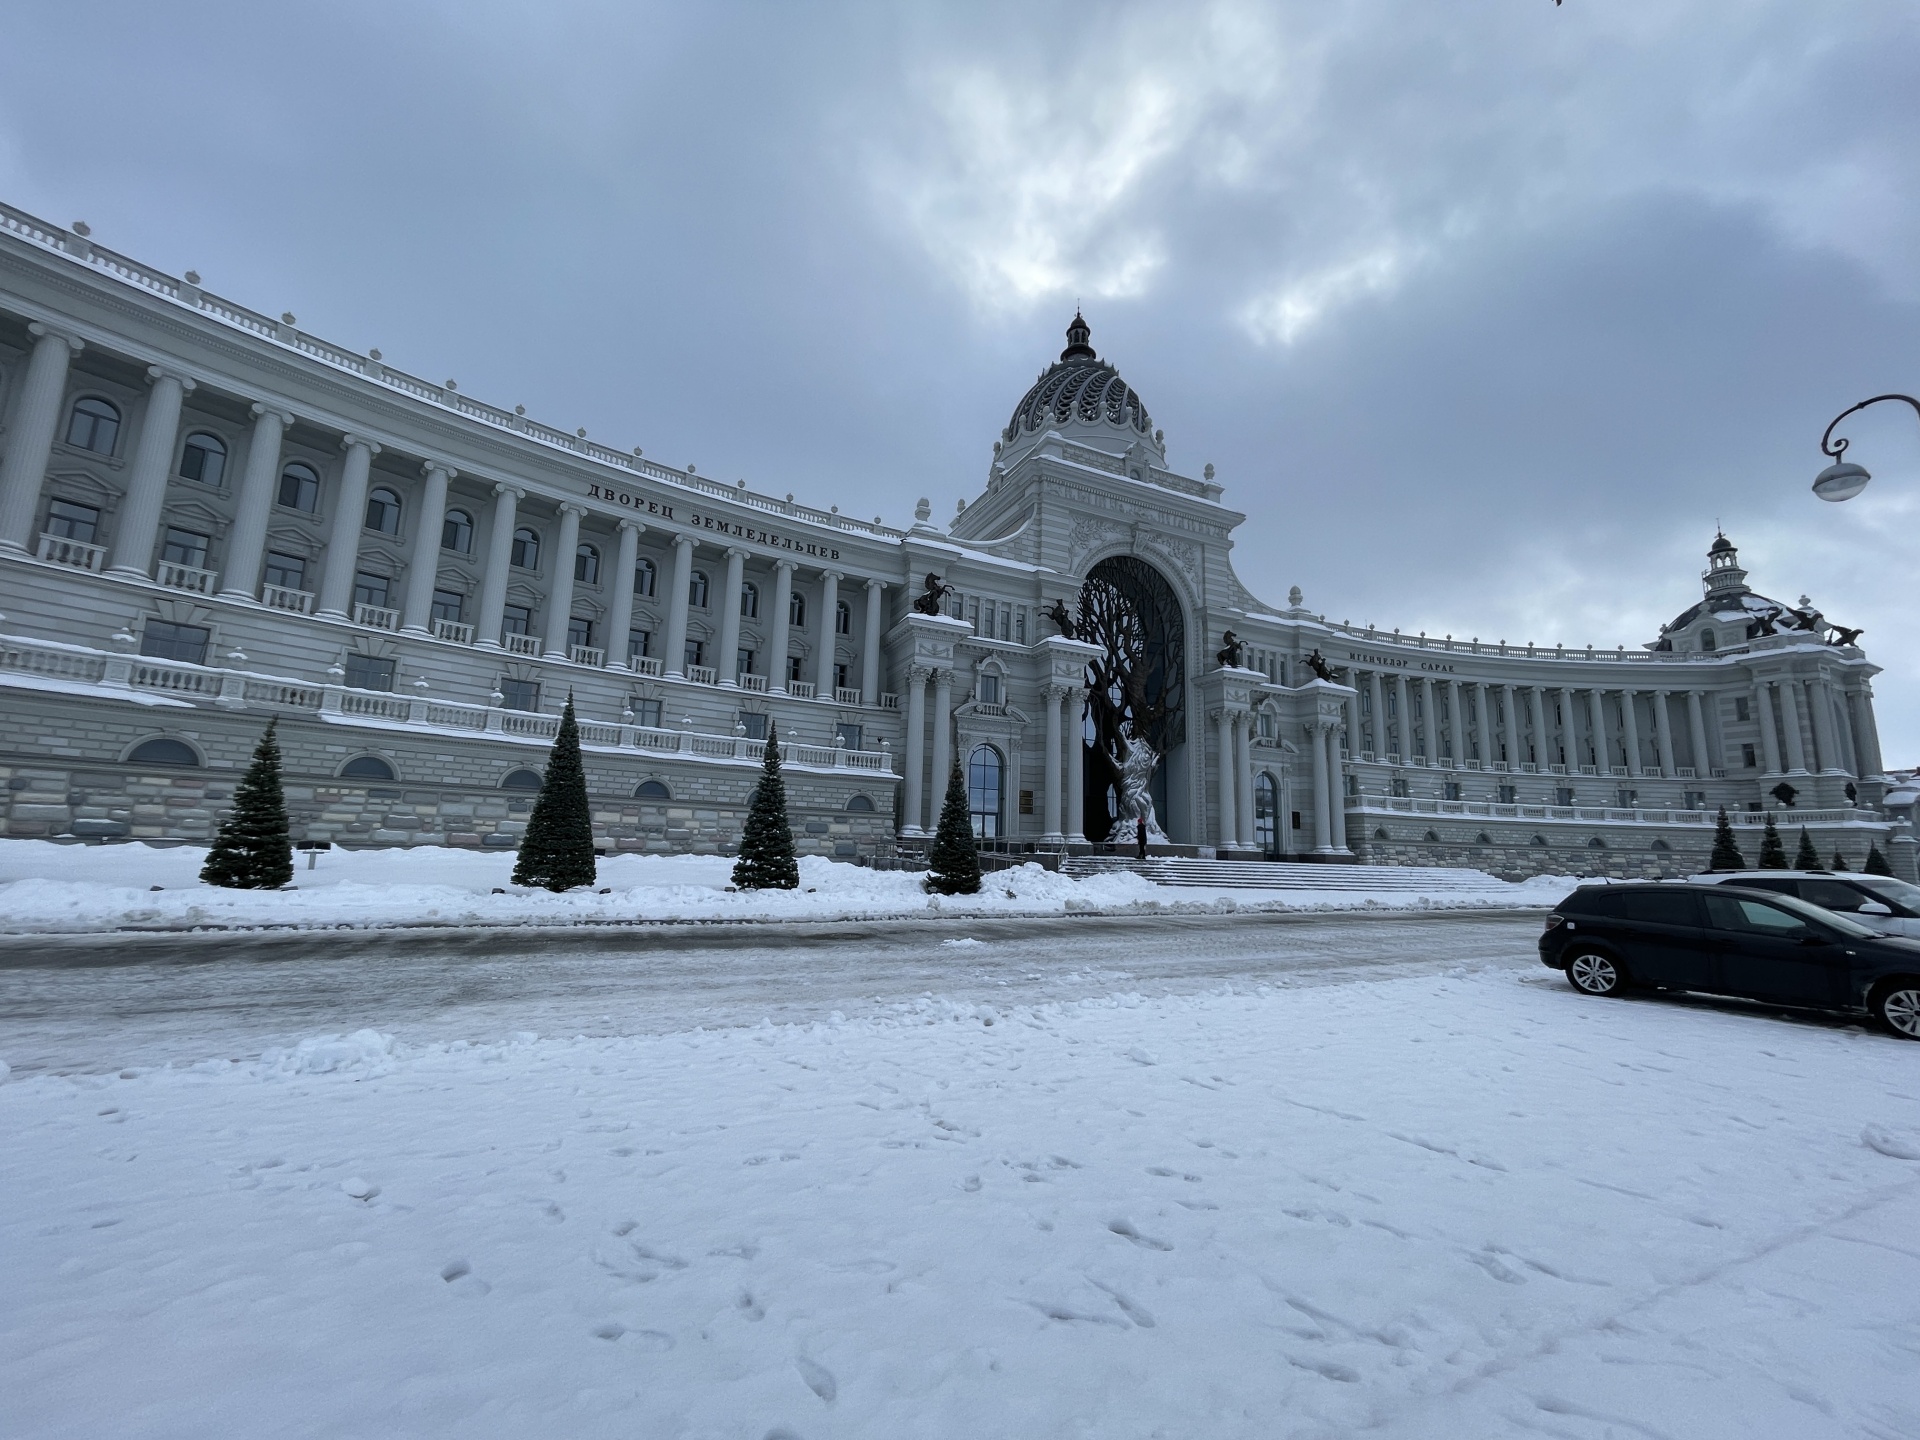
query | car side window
(1832,895)
(1653,907)
(1779,887)
(1752,917)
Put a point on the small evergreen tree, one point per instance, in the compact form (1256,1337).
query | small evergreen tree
(1806,857)
(1839,862)
(1773,855)
(766,860)
(557,850)
(1876,862)
(955,865)
(252,850)
(1726,854)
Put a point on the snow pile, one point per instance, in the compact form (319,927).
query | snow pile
(1473,1205)
(50,889)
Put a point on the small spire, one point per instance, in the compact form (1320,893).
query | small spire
(1077,337)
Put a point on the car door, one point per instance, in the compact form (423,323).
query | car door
(1665,938)
(1768,952)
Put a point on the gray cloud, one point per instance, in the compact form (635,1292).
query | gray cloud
(1485,313)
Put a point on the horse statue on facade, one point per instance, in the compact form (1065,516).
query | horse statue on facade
(929,600)
(1231,651)
(1318,665)
(1063,617)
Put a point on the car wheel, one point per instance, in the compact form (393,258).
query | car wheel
(1592,973)
(1897,1007)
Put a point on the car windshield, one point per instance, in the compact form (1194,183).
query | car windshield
(1814,915)
(1888,888)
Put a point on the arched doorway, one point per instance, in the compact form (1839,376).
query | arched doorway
(1136,690)
(1266,815)
(985,770)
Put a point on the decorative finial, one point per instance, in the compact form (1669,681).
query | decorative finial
(923,509)
(1295,595)
(1077,336)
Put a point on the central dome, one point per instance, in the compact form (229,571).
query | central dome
(1079,389)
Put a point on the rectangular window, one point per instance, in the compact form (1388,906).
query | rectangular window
(1296,819)
(579,631)
(794,668)
(1398,787)
(1748,758)
(1563,795)
(696,653)
(516,620)
(989,689)
(1741,709)
(163,640)
(840,675)
(184,547)
(1626,799)
(519,694)
(639,644)
(1696,800)
(743,660)
(973,612)
(69,521)
(1026,802)
(449,605)
(755,723)
(370,590)
(646,712)
(1507,795)
(1006,622)
(1020,625)
(369,672)
(1450,790)
(288,572)
(848,734)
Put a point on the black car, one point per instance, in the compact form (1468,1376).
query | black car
(1730,940)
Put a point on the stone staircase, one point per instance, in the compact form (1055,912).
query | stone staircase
(1284,875)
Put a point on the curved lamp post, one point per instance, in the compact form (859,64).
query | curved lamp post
(1843,479)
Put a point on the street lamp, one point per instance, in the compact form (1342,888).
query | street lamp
(1843,479)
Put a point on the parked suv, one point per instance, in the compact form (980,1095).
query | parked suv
(1878,902)
(1726,939)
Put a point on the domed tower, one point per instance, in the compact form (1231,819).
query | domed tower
(1083,398)
(1723,575)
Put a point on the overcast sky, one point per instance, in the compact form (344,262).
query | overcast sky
(1486,311)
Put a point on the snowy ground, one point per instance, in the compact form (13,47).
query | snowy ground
(48,889)
(1472,1204)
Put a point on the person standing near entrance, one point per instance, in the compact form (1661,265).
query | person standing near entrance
(1141,835)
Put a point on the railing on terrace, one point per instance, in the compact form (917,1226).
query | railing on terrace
(1607,814)
(377,617)
(279,597)
(184,577)
(746,680)
(520,644)
(644,664)
(58,550)
(456,631)
(587,655)
(845,695)
(703,675)
(800,689)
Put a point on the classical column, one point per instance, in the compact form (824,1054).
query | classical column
(1663,724)
(916,775)
(247,542)
(493,580)
(560,596)
(1630,725)
(424,566)
(1429,721)
(1229,790)
(1243,776)
(36,420)
(620,616)
(942,738)
(1510,736)
(1377,697)
(1075,821)
(1769,735)
(1569,731)
(1336,797)
(777,627)
(1477,705)
(1456,732)
(1827,762)
(1402,721)
(1317,731)
(1597,714)
(349,518)
(674,661)
(1790,722)
(1697,736)
(147,478)
(1843,729)
(1870,766)
(727,663)
(870,645)
(1054,696)
(829,627)
(1537,710)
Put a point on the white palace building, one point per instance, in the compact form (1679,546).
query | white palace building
(210,518)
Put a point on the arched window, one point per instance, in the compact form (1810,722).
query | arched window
(1381,834)
(366,767)
(456,532)
(644,576)
(164,751)
(93,425)
(1661,845)
(796,609)
(299,488)
(204,458)
(1433,837)
(860,804)
(697,590)
(1706,640)
(750,600)
(586,565)
(983,791)
(1483,838)
(526,549)
(1540,840)
(383,511)
(1266,814)
(1596,843)
(522,780)
(842,618)
(652,790)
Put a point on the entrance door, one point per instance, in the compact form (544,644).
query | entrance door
(1666,938)
(1266,816)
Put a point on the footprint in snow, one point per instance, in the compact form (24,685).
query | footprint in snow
(819,1379)
(1498,1268)
(1124,1229)
(750,1307)
(359,1189)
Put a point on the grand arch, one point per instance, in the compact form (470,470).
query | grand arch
(1136,689)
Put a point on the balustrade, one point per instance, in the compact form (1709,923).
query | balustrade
(376,617)
(279,597)
(845,695)
(185,577)
(800,689)
(454,630)
(645,665)
(520,644)
(587,655)
(76,554)
(889,701)
(755,683)
(703,675)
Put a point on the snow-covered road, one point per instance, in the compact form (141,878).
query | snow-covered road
(1463,1204)
(257,991)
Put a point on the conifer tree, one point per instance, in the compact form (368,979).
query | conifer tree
(1806,857)
(252,850)
(1773,854)
(557,850)
(766,859)
(1839,862)
(955,866)
(1876,862)
(1726,854)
